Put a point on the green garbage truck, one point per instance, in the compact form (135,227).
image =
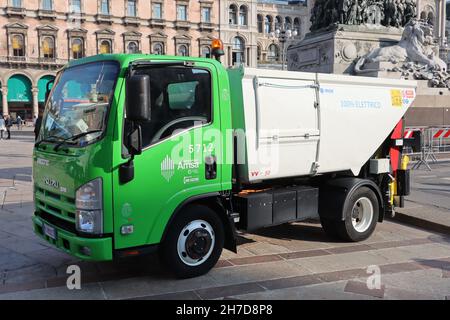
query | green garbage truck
(143,153)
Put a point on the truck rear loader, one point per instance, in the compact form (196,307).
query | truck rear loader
(138,153)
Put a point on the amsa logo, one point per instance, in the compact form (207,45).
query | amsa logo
(167,168)
(51,182)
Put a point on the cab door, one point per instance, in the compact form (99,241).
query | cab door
(180,152)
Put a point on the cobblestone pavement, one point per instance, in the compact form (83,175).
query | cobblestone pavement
(293,261)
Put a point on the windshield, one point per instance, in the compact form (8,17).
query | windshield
(79,103)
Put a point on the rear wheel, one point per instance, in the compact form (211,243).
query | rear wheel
(360,217)
(194,242)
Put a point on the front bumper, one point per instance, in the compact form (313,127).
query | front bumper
(100,249)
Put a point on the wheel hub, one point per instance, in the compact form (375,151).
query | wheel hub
(362,214)
(198,243)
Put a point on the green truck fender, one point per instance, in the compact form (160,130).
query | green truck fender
(218,204)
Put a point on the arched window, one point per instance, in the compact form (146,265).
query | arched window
(48,47)
(233,14)
(105,47)
(77,48)
(206,52)
(268,24)
(258,53)
(158,48)
(260,23)
(132,47)
(423,15)
(238,51)
(183,50)
(273,53)
(18,45)
(278,23)
(243,15)
(288,23)
(297,25)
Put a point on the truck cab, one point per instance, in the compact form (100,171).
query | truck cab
(97,193)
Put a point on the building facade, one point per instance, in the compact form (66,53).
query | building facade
(37,37)
(246,28)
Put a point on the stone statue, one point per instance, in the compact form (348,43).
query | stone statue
(374,14)
(410,11)
(343,8)
(399,13)
(416,54)
(353,13)
(395,13)
(390,12)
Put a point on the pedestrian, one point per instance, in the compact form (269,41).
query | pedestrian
(19,122)
(2,127)
(37,125)
(8,124)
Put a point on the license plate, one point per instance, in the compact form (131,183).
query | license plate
(50,231)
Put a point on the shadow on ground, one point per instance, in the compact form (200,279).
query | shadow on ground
(297,231)
(20,173)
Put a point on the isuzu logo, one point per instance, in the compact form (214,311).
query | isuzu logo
(51,182)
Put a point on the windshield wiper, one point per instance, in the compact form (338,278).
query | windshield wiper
(75,137)
(48,139)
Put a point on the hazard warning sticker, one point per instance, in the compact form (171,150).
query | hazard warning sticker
(396,98)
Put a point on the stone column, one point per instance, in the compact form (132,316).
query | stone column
(5,101)
(35,91)
(443,20)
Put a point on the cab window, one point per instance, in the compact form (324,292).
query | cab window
(180,99)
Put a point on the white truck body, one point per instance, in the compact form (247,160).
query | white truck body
(300,124)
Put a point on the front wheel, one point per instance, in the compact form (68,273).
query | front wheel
(194,242)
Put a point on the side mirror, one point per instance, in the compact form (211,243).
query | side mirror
(138,98)
(126,170)
(135,140)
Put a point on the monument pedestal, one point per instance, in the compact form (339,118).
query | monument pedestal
(334,49)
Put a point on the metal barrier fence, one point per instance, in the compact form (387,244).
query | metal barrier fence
(423,143)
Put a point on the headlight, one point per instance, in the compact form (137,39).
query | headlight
(89,205)
(90,221)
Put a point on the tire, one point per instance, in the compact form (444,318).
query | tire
(193,243)
(352,230)
(360,227)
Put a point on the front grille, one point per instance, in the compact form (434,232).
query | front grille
(56,208)
(60,223)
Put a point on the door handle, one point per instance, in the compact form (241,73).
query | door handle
(210,167)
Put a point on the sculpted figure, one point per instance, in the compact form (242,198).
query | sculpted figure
(410,11)
(390,12)
(353,14)
(343,8)
(412,47)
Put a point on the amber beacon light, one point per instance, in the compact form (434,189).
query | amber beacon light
(217,49)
